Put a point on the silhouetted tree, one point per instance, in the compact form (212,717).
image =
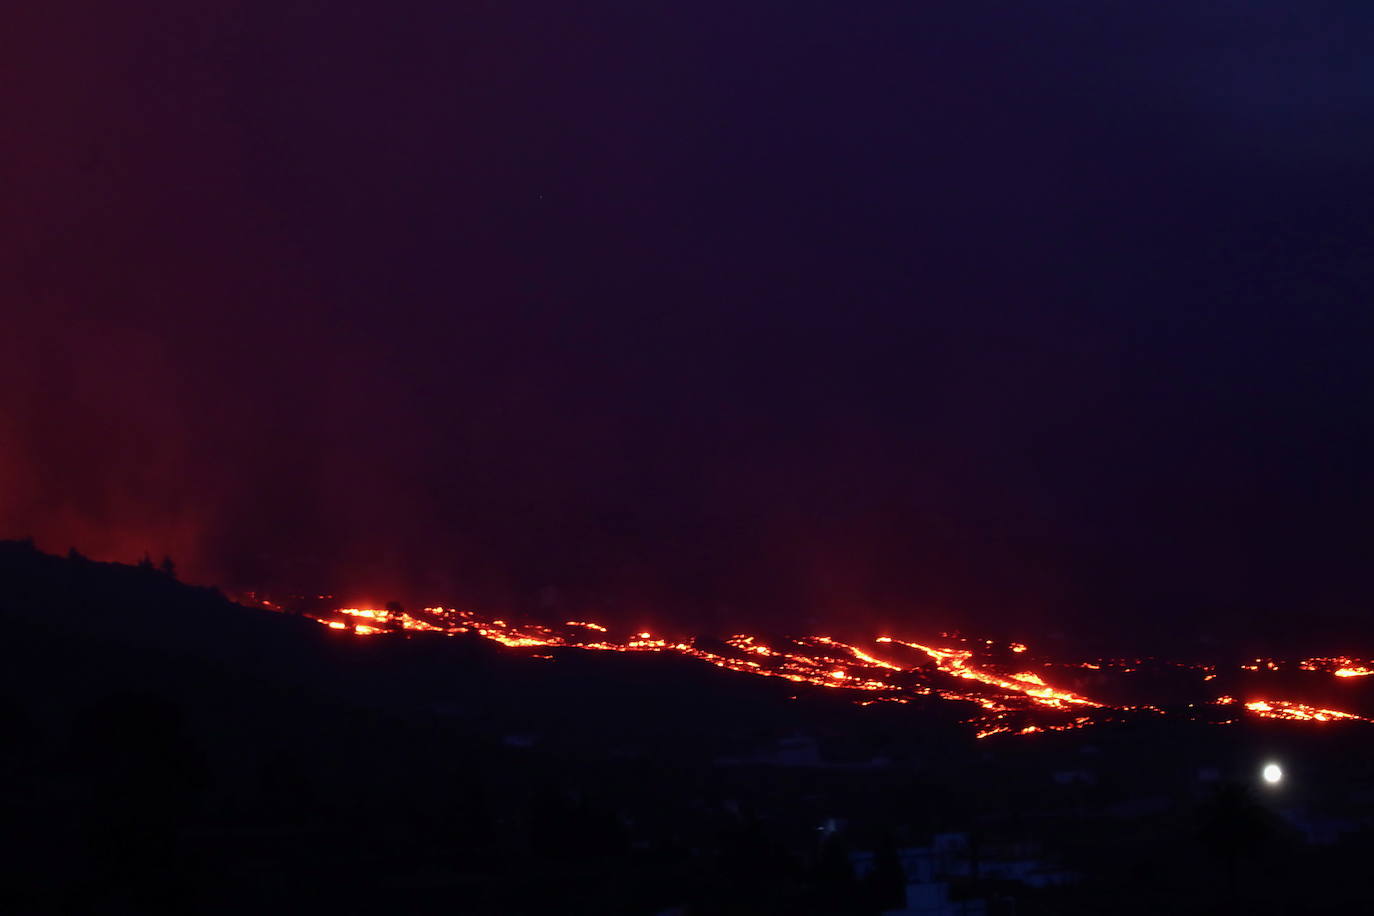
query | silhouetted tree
(146,562)
(834,886)
(886,884)
(75,555)
(169,567)
(751,873)
(1236,829)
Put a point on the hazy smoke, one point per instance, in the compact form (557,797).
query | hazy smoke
(826,313)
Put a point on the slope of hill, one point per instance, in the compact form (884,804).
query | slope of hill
(170,751)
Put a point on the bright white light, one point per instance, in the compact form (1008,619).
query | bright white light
(1272,773)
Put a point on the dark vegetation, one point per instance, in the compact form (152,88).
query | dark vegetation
(168,751)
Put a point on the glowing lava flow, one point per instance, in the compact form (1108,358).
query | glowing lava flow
(956,662)
(1299,712)
(996,683)
(1340,666)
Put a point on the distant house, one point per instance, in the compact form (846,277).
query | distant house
(933,900)
(800,750)
(791,751)
(1318,829)
(1075,777)
(932,870)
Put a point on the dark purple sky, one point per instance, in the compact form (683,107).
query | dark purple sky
(989,311)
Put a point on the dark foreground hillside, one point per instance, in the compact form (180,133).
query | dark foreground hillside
(168,751)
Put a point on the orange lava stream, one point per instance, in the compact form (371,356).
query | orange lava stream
(975,672)
(956,662)
(1299,712)
(1340,666)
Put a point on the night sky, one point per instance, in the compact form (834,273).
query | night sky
(1053,316)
